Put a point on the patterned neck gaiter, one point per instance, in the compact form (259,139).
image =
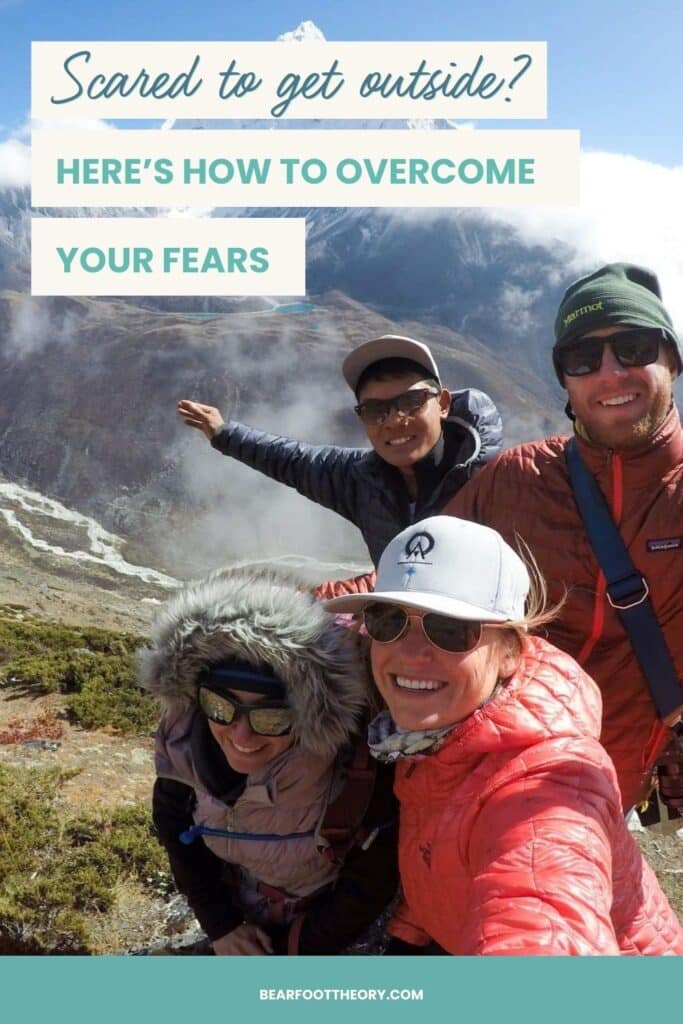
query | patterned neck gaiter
(388,742)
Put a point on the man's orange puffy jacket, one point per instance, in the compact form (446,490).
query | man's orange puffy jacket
(526,492)
(512,840)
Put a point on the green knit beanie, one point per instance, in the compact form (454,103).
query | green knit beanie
(618,293)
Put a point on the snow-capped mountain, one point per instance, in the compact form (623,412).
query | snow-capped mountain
(307,31)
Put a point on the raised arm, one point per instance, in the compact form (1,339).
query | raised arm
(319,472)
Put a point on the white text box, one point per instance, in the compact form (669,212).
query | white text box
(314,79)
(169,256)
(303,168)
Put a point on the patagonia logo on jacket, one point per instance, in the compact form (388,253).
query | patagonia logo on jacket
(664,544)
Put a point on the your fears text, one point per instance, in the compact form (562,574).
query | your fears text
(294,171)
(141,259)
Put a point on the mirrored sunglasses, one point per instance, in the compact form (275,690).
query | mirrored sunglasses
(268,719)
(386,623)
(630,348)
(376,411)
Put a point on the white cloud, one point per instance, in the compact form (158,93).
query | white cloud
(517,308)
(15,163)
(15,151)
(630,211)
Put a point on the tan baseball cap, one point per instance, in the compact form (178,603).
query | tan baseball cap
(389,346)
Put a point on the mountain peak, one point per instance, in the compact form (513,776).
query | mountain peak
(305,32)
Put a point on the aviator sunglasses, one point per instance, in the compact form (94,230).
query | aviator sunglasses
(386,623)
(269,719)
(376,411)
(630,348)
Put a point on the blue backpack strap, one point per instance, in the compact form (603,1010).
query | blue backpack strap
(627,591)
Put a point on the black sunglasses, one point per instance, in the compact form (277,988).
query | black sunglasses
(376,411)
(268,719)
(638,347)
(386,623)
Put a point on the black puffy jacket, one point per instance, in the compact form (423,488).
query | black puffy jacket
(361,486)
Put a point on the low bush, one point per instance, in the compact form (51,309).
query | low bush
(92,667)
(55,875)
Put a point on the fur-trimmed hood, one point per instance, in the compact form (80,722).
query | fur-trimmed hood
(261,617)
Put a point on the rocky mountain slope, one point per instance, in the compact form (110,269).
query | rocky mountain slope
(88,390)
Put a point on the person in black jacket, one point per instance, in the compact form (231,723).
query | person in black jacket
(279,830)
(427,442)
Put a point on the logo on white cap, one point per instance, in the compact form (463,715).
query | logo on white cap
(418,546)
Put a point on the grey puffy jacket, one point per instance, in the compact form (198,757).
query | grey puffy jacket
(362,487)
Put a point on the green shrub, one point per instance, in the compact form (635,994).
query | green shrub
(54,875)
(92,667)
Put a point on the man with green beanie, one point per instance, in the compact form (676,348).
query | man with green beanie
(622,301)
(617,354)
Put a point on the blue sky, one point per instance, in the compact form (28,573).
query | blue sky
(614,68)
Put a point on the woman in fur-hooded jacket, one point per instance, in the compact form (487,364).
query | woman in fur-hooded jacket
(278,830)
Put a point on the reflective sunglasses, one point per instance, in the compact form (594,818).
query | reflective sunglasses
(630,348)
(376,411)
(386,623)
(269,719)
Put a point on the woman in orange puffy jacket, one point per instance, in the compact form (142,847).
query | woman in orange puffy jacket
(512,839)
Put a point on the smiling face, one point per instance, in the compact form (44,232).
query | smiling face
(427,688)
(405,439)
(620,407)
(245,750)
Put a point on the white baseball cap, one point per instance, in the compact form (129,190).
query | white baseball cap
(389,346)
(450,566)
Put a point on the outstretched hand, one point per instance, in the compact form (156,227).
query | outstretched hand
(204,417)
(245,940)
